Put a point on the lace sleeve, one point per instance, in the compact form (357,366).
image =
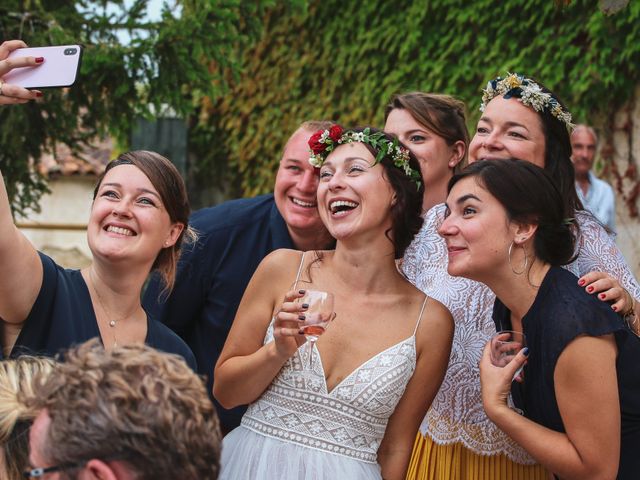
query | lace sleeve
(423,260)
(597,251)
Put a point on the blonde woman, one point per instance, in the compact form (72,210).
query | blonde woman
(16,383)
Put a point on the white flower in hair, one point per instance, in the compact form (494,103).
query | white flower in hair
(530,94)
(323,142)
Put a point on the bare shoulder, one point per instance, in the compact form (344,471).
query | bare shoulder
(434,311)
(280,261)
(436,325)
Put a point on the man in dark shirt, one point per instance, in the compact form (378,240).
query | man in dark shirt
(234,237)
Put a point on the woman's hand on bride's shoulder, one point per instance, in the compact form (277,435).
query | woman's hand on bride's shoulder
(286,326)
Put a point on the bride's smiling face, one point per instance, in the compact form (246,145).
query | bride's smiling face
(354,195)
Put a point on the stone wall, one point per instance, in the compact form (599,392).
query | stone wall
(620,151)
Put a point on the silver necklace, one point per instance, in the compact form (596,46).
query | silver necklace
(112,322)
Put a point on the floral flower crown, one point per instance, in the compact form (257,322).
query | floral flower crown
(531,94)
(324,142)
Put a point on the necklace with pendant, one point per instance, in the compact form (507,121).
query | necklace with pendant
(112,321)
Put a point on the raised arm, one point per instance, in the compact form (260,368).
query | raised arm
(433,344)
(246,367)
(20,267)
(587,394)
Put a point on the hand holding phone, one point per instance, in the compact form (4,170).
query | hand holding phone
(58,67)
(14,94)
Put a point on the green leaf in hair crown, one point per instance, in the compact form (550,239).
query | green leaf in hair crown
(323,142)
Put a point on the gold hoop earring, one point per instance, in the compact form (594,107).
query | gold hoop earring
(526,260)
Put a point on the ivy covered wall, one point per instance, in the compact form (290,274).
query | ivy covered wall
(343,60)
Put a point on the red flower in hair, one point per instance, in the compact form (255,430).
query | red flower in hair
(335,133)
(315,144)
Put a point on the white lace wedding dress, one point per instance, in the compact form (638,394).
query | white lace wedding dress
(298,430)
(456,414)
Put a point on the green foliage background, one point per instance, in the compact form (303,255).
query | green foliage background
(343,60)
(173,62)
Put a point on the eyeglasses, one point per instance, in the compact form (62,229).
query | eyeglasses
(40,472)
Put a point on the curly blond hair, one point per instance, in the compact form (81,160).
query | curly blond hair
(17,377)
(135,404)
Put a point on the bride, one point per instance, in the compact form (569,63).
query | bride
(355,411)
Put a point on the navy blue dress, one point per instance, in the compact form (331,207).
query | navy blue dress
(561,312)
(63,315)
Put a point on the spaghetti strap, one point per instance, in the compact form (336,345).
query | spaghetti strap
(295,284)
(426,297)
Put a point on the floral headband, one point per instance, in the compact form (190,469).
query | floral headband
(531,94)
(324,142)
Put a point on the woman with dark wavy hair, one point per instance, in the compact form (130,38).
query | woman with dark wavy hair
(520,119)
(581,392)
(354,412)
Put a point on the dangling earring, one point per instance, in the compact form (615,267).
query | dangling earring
(526,260)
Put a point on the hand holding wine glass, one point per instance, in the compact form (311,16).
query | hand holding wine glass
(287,323)
(318,313)
(505,345)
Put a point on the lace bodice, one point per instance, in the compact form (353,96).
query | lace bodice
(351,419)
(456,414)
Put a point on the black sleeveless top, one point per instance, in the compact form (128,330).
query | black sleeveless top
(63,316)
(561,312)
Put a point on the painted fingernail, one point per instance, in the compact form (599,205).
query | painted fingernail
(581,282)
(602,295)
(525,351)
(39,59)
(589,289)
(301,317)
(614,308)
(300,332)
(305,305)
(38,94)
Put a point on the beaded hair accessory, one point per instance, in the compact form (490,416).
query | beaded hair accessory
(531,95)
(324,142)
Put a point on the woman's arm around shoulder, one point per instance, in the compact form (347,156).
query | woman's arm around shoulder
(433,346)
(602,268)
(246,367)
(20,267)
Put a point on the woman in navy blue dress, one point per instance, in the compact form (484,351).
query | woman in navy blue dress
(508,227)
(138,219)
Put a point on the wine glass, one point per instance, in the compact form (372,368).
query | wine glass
(318,314)
(504,346)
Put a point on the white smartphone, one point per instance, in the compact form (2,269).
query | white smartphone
(59,69)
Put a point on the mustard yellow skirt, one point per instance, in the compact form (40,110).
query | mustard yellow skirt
(430,461)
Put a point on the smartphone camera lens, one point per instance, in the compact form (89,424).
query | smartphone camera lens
(70,51)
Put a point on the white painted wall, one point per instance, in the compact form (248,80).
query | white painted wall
(68,204)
